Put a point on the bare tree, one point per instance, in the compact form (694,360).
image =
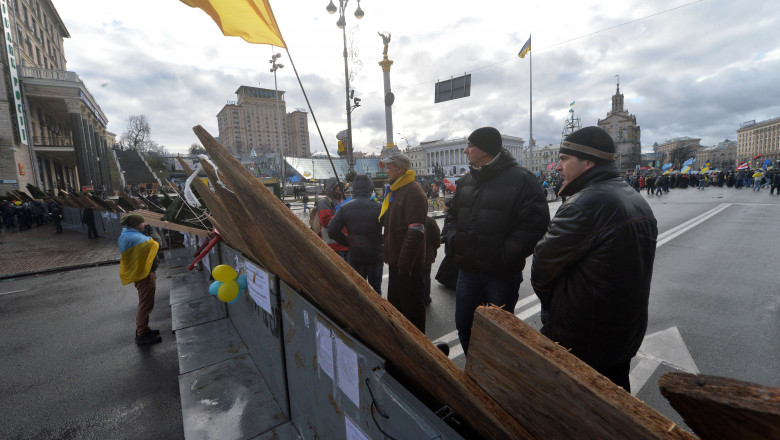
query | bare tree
(681,154)
(196,148)
(137,134)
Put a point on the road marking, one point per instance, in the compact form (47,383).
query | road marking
(690,224)
(664,347)
(15,291)
(452,336)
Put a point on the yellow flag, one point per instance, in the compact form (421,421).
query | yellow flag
(252,20)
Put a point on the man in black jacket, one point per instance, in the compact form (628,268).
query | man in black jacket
(497,215)
(592,269)
(360,217)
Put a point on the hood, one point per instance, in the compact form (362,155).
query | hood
(330,185)
(363,186)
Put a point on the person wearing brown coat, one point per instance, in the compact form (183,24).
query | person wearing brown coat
(403,213)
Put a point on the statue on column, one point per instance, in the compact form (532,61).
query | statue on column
(386,40)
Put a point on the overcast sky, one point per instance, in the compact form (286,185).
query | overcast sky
(699,69)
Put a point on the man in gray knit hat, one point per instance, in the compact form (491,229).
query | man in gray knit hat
(592,269)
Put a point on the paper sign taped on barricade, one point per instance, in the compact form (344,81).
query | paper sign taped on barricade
(259,290)
(348,377)
(325,349)
(352,430)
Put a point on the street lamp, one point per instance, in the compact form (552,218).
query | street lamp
(274,67)
(342,24)
(407,141)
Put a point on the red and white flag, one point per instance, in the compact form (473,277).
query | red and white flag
(743,166)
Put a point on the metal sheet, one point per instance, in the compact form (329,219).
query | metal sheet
(207,344)
(320,404)
(284,432)
(228,400)
(195,312)
(262,333)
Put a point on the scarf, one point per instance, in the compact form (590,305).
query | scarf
(402,181)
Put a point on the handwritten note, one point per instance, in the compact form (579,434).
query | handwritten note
(325,349)
(348,377)
(257,281)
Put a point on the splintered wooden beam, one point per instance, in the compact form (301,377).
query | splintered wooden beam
(254,221)
(722,408)
(552,393)
(155,219)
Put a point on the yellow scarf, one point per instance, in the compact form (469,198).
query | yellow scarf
(407,178)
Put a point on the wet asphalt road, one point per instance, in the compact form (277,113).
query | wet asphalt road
(70,367)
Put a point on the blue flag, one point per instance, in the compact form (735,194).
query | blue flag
(294,179)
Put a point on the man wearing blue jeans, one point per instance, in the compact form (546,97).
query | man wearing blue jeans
(497,215)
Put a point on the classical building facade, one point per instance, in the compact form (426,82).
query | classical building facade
(621,125)
(722,156)
(52,130)
(417,157)
(544,157)
(251,123)
(449,154)
(676,147)
(754,138)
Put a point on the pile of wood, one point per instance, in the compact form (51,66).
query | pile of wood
(517,383)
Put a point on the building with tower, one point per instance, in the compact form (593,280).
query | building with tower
(621,125)
(251,122)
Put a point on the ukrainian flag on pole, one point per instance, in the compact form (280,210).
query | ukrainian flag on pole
(526,48)
(252,20)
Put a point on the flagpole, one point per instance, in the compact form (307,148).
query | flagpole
(531,106)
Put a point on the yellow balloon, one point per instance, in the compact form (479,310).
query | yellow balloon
(228,291)
(224,273)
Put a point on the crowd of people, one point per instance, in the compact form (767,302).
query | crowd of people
(26,214)
(653,182)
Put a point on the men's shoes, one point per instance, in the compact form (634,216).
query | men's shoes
(148,339)
(154,332)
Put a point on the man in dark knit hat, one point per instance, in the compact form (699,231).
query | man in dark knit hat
(592,269)
(498,214)
(138,245)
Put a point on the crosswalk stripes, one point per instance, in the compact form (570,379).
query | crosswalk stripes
(525,309)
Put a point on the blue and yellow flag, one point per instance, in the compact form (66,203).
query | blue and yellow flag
(526,48)
(252,20)
(138,252)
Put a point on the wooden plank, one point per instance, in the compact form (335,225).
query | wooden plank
(722,408)
(154,219)
(254,221)
(551,392)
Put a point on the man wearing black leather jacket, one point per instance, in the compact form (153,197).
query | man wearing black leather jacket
(592,269)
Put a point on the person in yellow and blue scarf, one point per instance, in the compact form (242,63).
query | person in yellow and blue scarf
(139,245)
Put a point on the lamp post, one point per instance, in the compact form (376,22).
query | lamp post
(274,67)
(406,140)
(342,24)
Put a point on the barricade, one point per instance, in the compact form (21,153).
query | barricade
(323,381)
